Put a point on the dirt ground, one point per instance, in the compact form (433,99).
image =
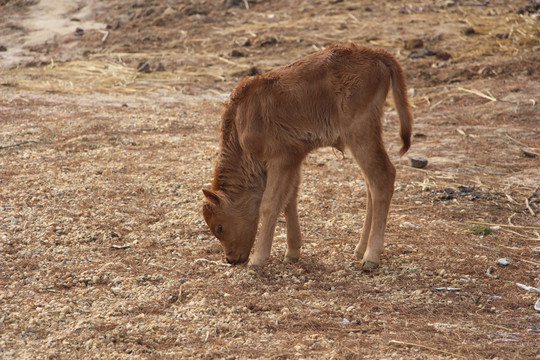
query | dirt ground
(109,114)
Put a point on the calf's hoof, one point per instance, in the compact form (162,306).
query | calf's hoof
(369,265)
(289,259)
(256,263)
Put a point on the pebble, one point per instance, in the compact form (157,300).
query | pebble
(268,41)
(236,53)
(413,44)
(421,53)
(418,162)
(116,290)
(442,272)
(89,344)
(443,55)
(469,31)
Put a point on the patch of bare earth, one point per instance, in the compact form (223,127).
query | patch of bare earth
(104,252)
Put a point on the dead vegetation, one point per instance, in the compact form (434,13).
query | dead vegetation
(104,252)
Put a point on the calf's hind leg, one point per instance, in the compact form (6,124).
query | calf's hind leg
(380,176)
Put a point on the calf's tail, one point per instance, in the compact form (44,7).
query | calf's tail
(401,100)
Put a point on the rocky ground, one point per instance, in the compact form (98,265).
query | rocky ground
(109,116)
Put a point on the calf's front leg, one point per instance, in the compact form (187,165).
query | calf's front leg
(294,234)
(277,192)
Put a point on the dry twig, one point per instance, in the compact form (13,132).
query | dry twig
(529,200)
(426,347)
(504,225)
(19,144)
(210,262)
(478,93)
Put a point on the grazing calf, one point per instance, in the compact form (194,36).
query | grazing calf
(334,97)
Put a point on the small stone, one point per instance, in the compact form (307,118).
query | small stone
(116,290)
(231,3)
(269,41)
(421,53)
(503,262)
(443,55)
(418,162)
(442,272)
(469,31)
(160,67)
(79,31)
(88,344)
(413,44)
(236,53)
(160,21)
(3,48)
(254,71)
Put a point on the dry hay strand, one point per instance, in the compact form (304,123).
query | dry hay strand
(87,76)
(396,342)
(518,32)
(504,225)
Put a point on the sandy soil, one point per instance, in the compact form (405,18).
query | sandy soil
(109,114)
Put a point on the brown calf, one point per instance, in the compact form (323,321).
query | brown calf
(334,97)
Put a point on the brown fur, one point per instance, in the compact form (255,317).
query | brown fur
(334,97)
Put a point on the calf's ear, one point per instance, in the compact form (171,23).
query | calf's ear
(212,197)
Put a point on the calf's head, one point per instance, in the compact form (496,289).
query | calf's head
(234,224)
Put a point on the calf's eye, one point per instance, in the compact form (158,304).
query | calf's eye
(219,229)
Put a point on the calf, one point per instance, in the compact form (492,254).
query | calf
(334,97)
